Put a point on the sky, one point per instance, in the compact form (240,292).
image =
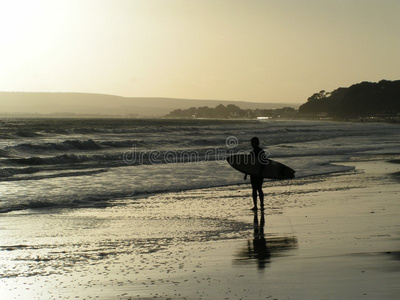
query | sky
(251,50)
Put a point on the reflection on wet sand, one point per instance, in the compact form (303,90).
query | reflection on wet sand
(261,249)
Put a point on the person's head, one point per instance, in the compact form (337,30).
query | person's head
(255,142)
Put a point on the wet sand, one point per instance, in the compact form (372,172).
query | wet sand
(332,237)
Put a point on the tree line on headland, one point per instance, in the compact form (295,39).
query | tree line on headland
(359,100)
(230,111)
(362,100)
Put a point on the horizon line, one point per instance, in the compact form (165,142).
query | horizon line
(152,97)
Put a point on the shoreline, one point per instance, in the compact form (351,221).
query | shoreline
(36,207)
(357,119)
(330,238)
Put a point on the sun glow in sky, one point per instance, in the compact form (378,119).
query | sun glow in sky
(252,50)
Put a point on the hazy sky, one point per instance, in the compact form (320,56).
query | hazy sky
(272,51)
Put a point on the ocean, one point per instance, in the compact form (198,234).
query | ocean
(51,163)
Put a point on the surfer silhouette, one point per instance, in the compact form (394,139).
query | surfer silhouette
(258,155)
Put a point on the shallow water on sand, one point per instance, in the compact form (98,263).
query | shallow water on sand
(62,239)
(202,243)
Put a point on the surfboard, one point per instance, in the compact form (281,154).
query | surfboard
(270,169)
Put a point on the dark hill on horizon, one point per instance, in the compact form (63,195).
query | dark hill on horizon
(361,99)
(60,104)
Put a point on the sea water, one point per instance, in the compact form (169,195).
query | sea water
(99,162)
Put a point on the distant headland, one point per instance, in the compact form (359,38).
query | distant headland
(70,105)
(365,101)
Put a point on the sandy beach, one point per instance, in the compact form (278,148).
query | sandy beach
(328,237)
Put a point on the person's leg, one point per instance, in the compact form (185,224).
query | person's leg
(261,195)
(254,193)
(254,198)
(260,192)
